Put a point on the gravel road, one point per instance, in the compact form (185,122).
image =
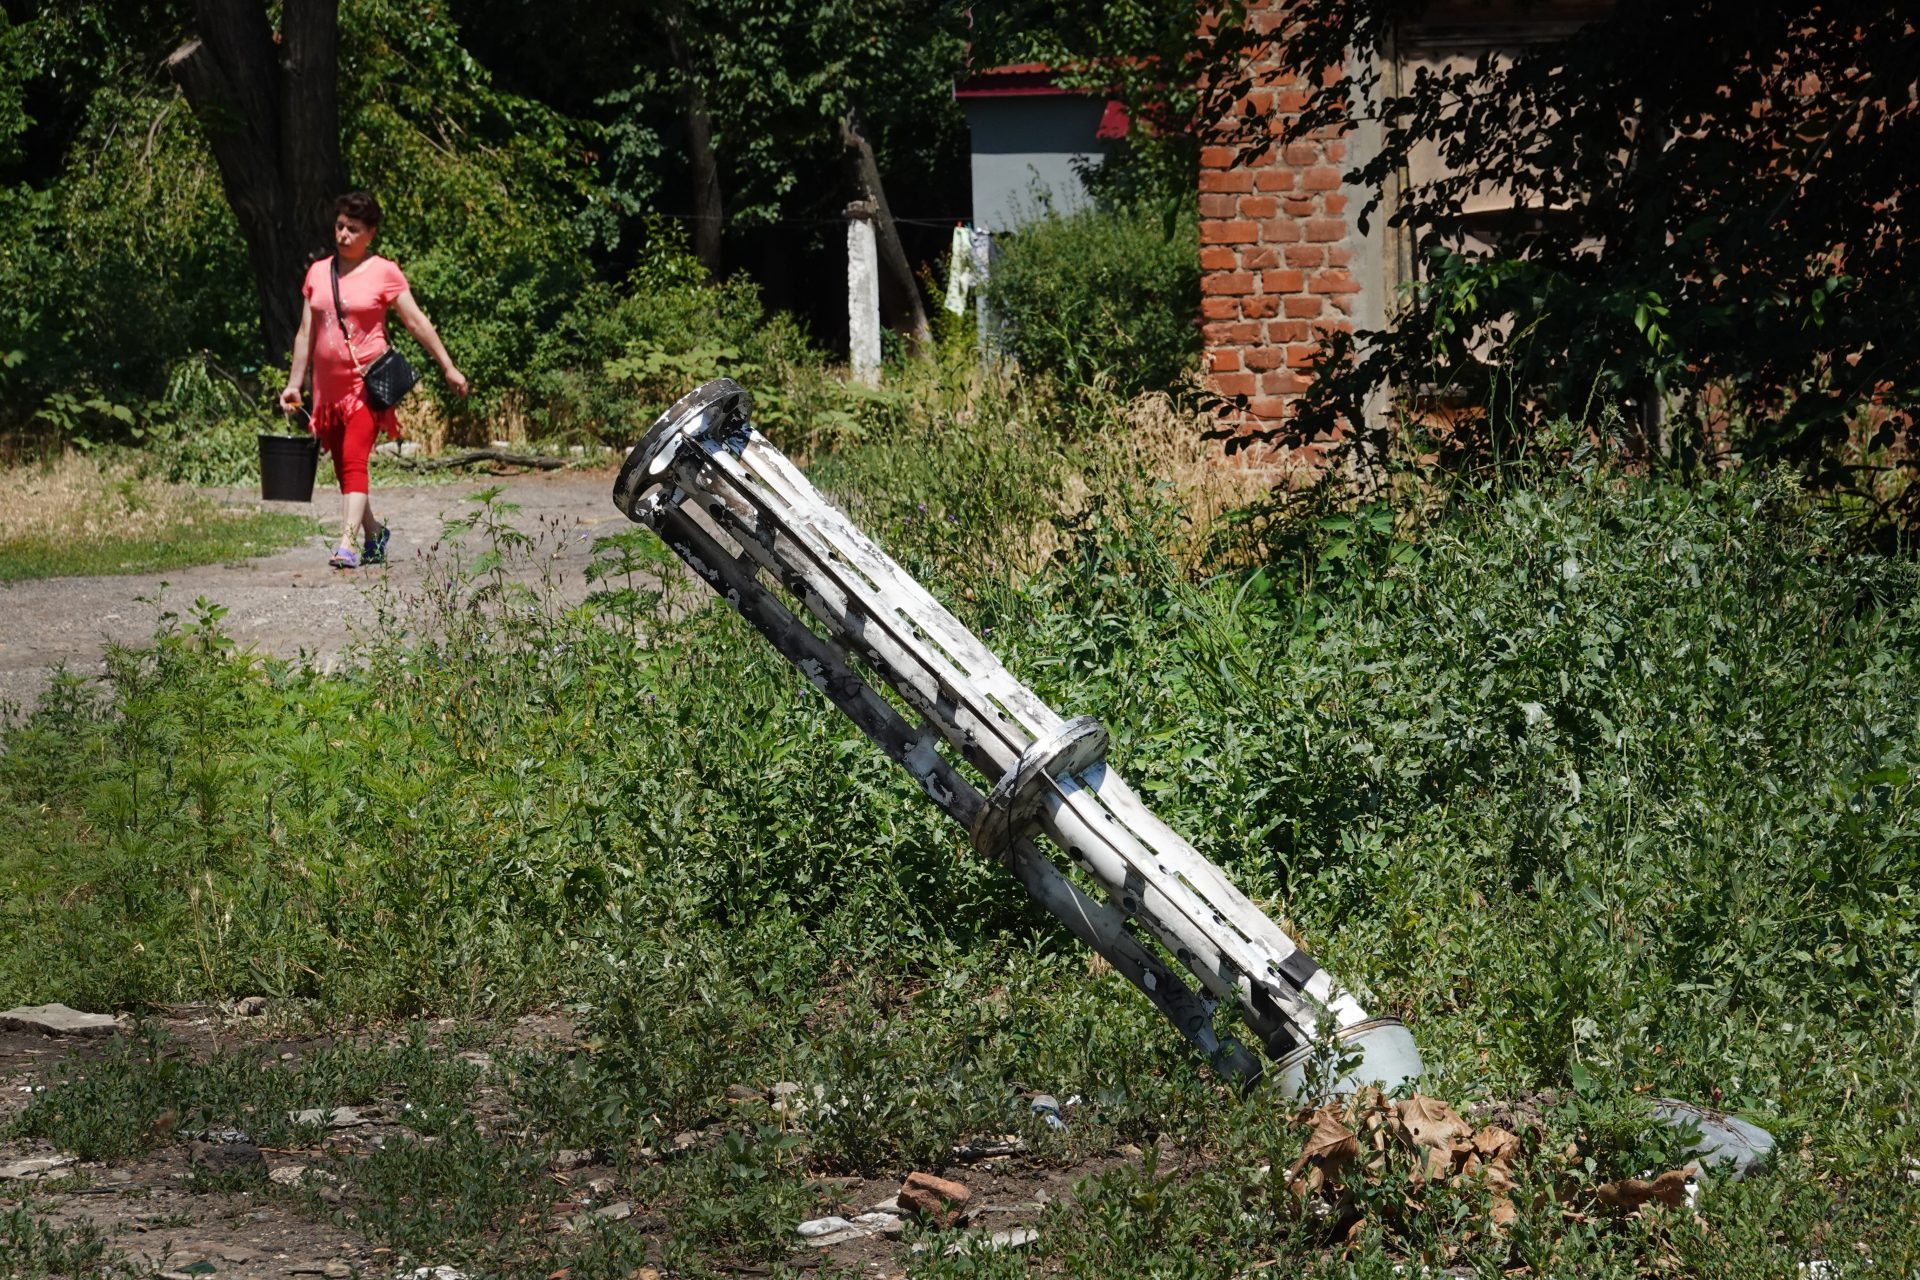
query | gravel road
(289,603)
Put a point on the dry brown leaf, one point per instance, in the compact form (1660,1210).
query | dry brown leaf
(1330,1148)
(1628,1194)
(1434,1129)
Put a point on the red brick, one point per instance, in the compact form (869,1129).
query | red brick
(1235,384)
(1219,257)
(1270,179)
(1343,302)
(1220,308)
(1300,154)
(1321,178)
(1245,331)
(1216,157)
(1333,282)
(1269,408)
(1253,258)
(1230,282)
(1233,182)
(1223,360)
(1281,281)
(1292,102)
(1338,255)
(1218,204)
(1217,334)
(1260,308)
(1305,255)
(1260,359)
(1323,229)
(1281,332)
(1336,150)
(1321,328)
(1305,308)
(1280,230)
(1299,206)
(1258,206)
(1335,202)
(1301,355)
(938,1200)
(1281,382)
(1213,231)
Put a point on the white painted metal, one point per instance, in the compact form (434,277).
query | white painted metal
(745,519)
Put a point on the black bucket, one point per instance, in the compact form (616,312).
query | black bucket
(287,464)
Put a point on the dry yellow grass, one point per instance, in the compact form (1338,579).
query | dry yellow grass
(75,497)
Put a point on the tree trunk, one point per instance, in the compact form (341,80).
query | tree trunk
(273,124)
(708,211)
(899,289)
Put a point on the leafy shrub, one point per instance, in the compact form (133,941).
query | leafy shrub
(1102,295)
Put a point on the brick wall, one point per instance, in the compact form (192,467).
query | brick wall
(1276,251)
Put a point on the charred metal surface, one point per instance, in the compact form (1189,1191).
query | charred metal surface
(742,517)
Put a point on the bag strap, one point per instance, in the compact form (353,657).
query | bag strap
(340,318)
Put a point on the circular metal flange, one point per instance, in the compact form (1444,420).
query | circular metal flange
(1379,1051)
(1080,743)
(719,405)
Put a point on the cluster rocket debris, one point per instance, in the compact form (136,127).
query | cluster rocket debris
(752,527)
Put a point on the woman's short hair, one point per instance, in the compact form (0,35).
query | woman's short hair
(360,206)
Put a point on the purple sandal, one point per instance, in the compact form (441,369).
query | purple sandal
(344,557)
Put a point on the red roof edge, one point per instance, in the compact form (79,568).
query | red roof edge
(1024,80)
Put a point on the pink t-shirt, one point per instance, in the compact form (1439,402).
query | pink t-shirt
(366,292)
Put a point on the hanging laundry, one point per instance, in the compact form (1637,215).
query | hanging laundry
(960,276)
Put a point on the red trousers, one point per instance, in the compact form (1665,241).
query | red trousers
(347,431)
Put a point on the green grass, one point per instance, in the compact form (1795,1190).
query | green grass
(1606,786)
(211,538)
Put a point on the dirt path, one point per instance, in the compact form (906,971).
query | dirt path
(289,603)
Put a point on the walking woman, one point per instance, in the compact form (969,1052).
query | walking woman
(342,341)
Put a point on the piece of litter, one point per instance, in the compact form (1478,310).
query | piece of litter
(57,1020)
(815,1227)
(34,1167)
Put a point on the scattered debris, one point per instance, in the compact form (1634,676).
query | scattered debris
(618,1211)
(566,1160)
(1015,1238)
(226,1157)
(58,1020)
(993,1148)
(337,1118)
(1724,1139)
(814,1228)
(824,1233)
(434,1273)
(939,1201)
(1047,1107)
(34,1168)
(249,1006)
(1628,1194)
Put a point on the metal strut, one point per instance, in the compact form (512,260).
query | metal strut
(741,515)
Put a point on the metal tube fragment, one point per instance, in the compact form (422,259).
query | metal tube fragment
(746,520)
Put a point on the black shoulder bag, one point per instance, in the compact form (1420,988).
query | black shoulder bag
(389,377)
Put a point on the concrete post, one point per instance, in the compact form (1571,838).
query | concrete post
(863,296)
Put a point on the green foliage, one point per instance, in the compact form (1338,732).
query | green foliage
(200,535)
(1605,785)
(1102,298)
(1707,247)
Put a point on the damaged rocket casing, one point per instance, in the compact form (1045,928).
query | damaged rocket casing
(745,520)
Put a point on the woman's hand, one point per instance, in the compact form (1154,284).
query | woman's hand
(457,381)
(290,399)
